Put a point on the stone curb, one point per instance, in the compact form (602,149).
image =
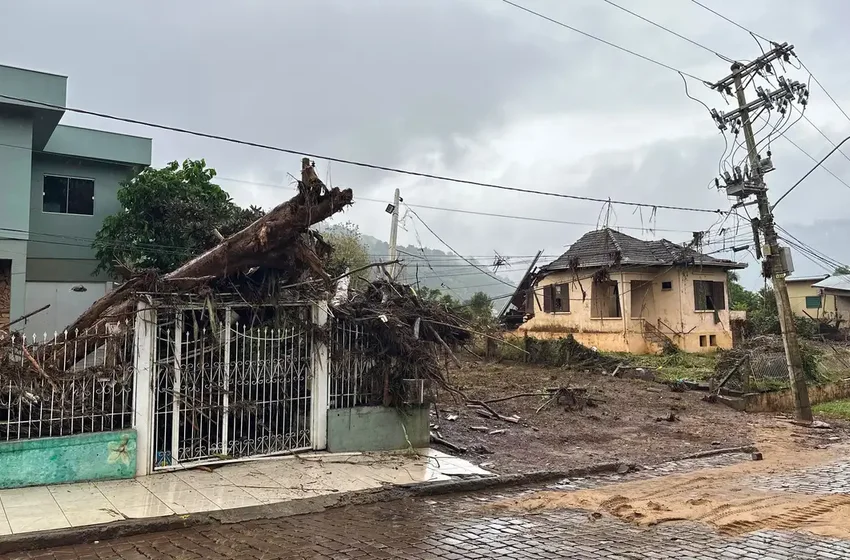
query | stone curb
(131,527)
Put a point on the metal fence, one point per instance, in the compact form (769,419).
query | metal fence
(225,390)
(67,383)
(350,379)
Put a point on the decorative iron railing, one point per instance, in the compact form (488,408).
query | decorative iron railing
(65,384)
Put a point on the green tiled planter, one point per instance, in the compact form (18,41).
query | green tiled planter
(34,462)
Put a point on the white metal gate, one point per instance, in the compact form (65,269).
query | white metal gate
(225,390)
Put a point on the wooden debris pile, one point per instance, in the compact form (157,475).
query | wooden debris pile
(406,337)
(275,260)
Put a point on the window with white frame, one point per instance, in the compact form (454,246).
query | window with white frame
(68,195)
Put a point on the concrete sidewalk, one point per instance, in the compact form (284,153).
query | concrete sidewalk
(237,485)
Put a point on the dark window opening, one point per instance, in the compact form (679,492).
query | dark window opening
(668,285)
(556,298)
(702,340)
(712,340)
(709,296)
(65,195)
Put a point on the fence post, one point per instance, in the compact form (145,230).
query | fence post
(319,382)
(143,385)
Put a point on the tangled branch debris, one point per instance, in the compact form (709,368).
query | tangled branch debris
(273,262)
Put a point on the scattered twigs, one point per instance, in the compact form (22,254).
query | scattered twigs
(456,448)
(572,398)
(519,396)
(38,368)
(489,411)
(470,331)
(731,372)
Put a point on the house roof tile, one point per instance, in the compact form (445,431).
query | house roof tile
(608,247)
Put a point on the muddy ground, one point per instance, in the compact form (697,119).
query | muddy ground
(800,484)
(635,421)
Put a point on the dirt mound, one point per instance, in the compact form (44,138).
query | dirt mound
(722,498)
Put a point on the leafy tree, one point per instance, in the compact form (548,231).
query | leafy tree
(348,251)
(169,216)
(842,271)
(764,317)
(480,304)
(740,298)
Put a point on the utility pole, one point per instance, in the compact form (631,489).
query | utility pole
(751,182)
(393,209)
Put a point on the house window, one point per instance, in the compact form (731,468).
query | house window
(712,340)
(556,298)
(68,195)
(702,340)
(667,286)
(813,302)
(605,300)
(709,296)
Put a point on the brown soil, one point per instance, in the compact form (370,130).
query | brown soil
(629,425)
(719,497)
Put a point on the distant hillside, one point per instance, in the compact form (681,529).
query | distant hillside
(439,270)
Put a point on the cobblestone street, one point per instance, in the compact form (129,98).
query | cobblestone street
(467,527)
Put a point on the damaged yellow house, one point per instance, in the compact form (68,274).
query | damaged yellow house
(622,294)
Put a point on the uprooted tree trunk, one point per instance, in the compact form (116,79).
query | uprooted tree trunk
(277,236)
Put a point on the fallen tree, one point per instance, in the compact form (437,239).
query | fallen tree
(277,238)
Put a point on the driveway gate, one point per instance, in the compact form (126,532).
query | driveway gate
(224,390)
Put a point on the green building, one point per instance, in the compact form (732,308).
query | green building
(57,183)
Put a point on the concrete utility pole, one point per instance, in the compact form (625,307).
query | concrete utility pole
(394,234)
(751,181)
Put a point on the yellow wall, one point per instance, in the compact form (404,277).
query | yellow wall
(670,311)
(798,291)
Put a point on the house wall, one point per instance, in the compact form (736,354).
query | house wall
(842,306)
(671,311)
(59,252)
(65,304)
(15,149)
(65,239)
(797,293)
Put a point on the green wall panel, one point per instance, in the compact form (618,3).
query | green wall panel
(377,428)
(33,462)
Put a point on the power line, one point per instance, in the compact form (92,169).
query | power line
(356,163)
(473,212)
(735,23)
(803,178)
(811,157)
(609,43)
(818,82)
(802,64)
(827,138)
(668,30)
(820,254)
(449,247)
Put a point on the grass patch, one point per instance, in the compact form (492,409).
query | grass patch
(834,409)
(676,366)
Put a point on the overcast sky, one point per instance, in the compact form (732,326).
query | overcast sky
(469,88)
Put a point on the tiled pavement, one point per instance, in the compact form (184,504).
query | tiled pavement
(460,528)
(255,483)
